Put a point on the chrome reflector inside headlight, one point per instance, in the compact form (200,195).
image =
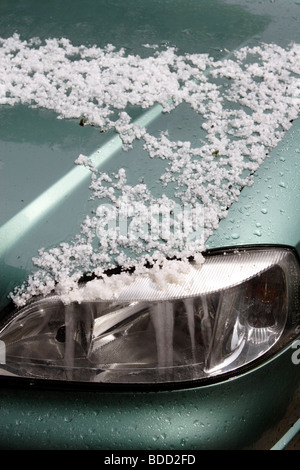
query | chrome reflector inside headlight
(242,305)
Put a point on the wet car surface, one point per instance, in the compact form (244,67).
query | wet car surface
(46,197)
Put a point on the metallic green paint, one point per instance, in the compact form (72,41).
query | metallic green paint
(268,211)
(37,152)
(235,414)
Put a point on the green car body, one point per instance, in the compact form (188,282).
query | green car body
(251,409)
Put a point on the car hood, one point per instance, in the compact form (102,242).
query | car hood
(268,211)
(48,197)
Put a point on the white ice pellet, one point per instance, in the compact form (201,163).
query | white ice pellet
(246,101)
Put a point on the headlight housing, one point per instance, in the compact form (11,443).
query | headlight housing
(241,307)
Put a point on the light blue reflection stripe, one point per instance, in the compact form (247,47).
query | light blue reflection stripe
(24,220)
(283,442)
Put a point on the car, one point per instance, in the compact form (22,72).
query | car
(149,227)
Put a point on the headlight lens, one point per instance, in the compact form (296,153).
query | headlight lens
(244,305)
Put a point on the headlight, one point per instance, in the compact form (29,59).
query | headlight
(243,305)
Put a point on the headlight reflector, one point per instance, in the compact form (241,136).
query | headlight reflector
(244,305)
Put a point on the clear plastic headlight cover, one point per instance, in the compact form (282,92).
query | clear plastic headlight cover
(244,307)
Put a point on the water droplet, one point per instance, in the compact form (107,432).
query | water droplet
(282,184)
(257,233)
(235,236)
(264,210)
(67,419)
